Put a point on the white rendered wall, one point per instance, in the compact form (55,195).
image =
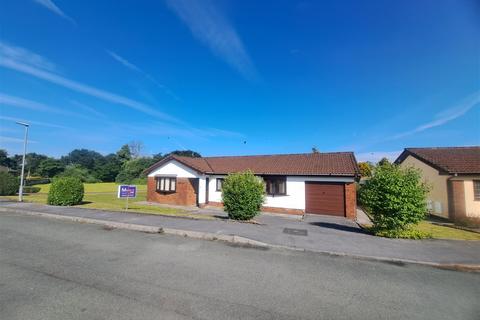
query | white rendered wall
(202,189)
(174,168)
(295,198)
(213,194)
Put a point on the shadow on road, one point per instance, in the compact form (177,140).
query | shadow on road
(337,226)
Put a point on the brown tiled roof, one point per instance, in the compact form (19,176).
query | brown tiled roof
(448,160)
(315,164)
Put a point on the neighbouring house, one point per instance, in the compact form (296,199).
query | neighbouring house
(4,169)
(320,183)
(454,177)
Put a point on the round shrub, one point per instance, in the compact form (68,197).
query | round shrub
(243,195)
(8,184)
(66,191)
(395,198)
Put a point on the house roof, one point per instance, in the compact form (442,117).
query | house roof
(311,164)
(447,160)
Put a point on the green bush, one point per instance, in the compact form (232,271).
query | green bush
(30,181)
(395,198)
(8,184)
(67,191)
(243,195)
(31,189)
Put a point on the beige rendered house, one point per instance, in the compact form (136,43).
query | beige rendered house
(454,176)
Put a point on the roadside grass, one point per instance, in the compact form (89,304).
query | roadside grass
(443,232)
(103,196)
(435,231)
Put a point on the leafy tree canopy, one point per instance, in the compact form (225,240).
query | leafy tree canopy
(50,167)
(186,153)
(85,158)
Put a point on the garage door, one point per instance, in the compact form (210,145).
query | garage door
(325,198)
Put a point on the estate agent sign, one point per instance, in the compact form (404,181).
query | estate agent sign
(127,191)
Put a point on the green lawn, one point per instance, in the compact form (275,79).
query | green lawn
(103,196)
(441,232)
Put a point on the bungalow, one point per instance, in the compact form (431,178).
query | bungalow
(454,176)
(319,183)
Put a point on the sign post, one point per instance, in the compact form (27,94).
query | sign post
(127,191)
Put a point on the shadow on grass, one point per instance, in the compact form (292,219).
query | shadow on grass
(84,202)
(337,226)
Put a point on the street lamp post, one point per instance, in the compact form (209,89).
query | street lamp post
(20,192)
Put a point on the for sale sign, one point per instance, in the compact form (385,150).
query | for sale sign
(126,191)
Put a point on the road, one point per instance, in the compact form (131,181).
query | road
(52,269)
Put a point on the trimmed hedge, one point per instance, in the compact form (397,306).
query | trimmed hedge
(8,184)
(31,189)
(65,191)
(243,195)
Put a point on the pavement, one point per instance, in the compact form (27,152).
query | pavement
(332,235)
(52,269)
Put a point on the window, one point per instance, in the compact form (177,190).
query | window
(275,185)
(220,184)
(166,184)
(476,190)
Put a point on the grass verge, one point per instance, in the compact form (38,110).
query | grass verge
(103,196)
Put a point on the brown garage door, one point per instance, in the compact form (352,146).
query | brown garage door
(325,198)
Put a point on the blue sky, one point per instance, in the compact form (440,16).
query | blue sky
(240,77)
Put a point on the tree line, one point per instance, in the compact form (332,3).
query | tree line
(124,166)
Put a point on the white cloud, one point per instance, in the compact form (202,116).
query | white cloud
(31,122)
(123,61)
(445,116)
(133,67)
(19,64)
(10,139)
(376,156)
(18,102)
(13,53)
(211,27)
(87,108)
(50,5)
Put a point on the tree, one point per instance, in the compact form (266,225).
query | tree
(6,161)
(3,158)
(396,199)
(8,184)
(50,167)
(185,153)
(365,169)
(133,169)
(157,157)
(33,160)
(79,172)
(124,153)
(315,150)
(136,147)
(384,161)
(243,195)
(108,169)
(85,158)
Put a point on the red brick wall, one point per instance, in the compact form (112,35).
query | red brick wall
(456,199)
(185,196)
(350,201)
